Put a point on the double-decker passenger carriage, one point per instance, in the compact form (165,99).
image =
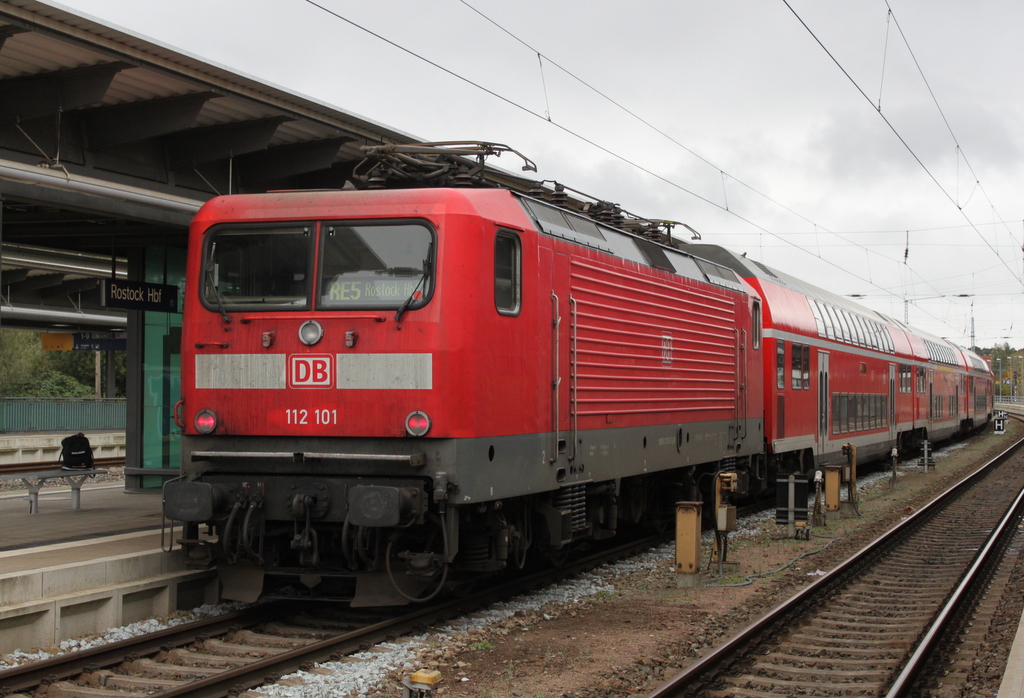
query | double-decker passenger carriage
(388,392)
(838,373)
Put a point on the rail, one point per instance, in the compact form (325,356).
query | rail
(958,600)
(683,683)
(11,468)
(234,679)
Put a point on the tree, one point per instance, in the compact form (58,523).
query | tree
(28,371)
(19,357)
(47,383)
(1002,365)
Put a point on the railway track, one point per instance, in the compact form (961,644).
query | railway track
(227,655)
(869,627)
(5,468)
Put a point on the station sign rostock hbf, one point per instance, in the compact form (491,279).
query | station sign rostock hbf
(139,295)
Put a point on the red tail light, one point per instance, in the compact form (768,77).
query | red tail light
(206,422)
(417,424)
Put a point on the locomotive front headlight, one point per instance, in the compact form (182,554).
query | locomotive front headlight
(417,424)
(206,422)
(310,332)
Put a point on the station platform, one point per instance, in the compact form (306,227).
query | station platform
(106,510)
(68,572)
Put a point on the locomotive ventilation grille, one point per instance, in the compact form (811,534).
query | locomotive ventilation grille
(573,498)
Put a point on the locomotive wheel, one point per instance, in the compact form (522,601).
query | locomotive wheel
(399,551)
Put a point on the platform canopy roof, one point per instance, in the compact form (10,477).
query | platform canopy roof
(96,121)
(110,142)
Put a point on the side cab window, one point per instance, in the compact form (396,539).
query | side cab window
(507,273)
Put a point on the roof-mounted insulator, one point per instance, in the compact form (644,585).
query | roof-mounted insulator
(377,180)
(559,197)
(465,179)
(605,212)
(538,191)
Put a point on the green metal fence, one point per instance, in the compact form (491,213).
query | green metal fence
(61,414)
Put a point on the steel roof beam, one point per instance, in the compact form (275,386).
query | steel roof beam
(70,288)
(59,261)
(13,276)
(35,283)
(44,93)
(9,31)
(289,160)
(210,143)
(47,317)
(136,121)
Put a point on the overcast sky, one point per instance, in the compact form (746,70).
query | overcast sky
(762,141)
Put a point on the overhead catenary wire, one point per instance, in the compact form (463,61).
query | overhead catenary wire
(885,54)
(724,175)
(583,138)
(606,150)
(896,132)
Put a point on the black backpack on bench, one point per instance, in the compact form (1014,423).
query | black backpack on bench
(76,453)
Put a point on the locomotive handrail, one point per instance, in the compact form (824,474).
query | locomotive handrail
(414,459)
(556,383)
(573,376)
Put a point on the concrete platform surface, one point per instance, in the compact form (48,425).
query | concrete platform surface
(106,511)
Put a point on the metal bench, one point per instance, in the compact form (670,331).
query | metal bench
(35,479)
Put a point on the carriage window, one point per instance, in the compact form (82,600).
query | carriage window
(818,321)
(801,366)
(257,267)
(375,265)
(797,371)
(780,364)
(863,338)
(507,273)
(830,321)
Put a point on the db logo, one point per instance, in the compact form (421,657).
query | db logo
(310,371)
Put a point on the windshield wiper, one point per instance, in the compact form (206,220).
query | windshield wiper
(412,296)
(216,292)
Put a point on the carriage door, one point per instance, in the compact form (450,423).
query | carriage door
(931,403)
(824,402)
(891,408)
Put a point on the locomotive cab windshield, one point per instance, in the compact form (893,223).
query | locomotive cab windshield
(375,266)
(257,268)
(370,266)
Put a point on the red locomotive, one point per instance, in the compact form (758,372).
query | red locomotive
(387,392)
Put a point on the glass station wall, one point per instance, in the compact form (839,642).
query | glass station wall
(161,379)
